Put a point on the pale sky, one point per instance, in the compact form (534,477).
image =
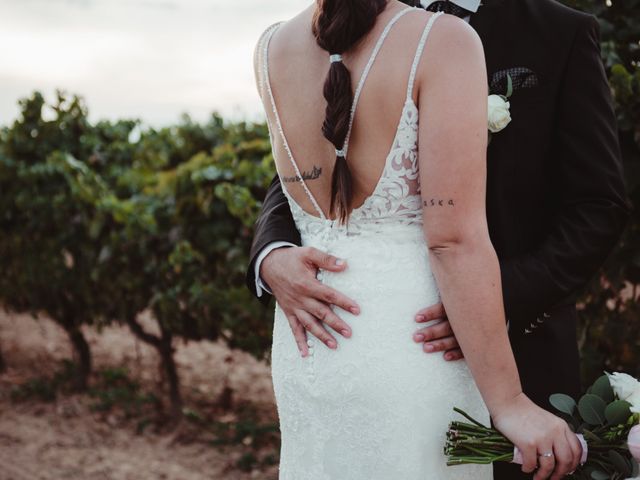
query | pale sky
(149,59)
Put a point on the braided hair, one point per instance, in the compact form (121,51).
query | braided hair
(337,26)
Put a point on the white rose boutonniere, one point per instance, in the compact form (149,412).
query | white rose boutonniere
(499,113)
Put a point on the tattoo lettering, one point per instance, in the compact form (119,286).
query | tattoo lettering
(438,202)
(312,175)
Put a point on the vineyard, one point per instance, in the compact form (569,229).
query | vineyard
(121,238)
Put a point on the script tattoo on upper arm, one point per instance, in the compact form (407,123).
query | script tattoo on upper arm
(438,202)
(314,174)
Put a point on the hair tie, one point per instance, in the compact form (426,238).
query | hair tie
(341,153)
(336,57)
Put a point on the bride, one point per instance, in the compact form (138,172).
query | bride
(351,88)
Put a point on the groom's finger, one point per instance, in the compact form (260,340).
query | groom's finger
(442,345)
(333,297)
(434,312)
(323,260)
(433,332)
(453,355)
(300,334)
(327,316)
(313,326)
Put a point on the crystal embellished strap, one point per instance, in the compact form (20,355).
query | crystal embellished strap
(267,81)
(367,69)
(419,50)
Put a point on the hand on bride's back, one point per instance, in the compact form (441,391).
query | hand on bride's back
(291,273)
(535,432)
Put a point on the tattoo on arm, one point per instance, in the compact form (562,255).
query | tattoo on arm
(306,175)
(438,202)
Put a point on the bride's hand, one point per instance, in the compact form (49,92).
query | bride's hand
(290,273)
(537,432)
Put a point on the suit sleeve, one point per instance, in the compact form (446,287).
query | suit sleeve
(594,206)
(275,224)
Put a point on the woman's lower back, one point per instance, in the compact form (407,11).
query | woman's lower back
(377,407)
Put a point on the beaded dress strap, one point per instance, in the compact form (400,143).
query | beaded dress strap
(367,69)
(419,51)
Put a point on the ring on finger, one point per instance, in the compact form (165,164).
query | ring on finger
(546,455)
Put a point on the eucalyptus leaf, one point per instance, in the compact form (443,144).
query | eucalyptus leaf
(618,412)
(591,408)
(602,388)
(563,403)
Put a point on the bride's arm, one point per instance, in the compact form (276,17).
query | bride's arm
(452,151)
(452,89)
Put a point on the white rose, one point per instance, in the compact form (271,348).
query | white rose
(499,115)
(626,388)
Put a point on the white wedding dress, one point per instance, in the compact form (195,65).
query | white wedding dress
(378,407)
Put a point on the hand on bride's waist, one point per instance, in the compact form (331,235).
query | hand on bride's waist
(291,274)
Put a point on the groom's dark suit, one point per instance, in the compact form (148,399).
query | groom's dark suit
(556,201)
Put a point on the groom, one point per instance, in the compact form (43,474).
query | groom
(556,202)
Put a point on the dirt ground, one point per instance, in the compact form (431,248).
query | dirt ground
(68,439)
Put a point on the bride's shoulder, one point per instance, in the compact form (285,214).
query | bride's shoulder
(265,34)
(259,47)
(454,30)
(453,53)
(452,43)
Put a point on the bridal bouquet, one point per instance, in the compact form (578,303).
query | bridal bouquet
(606,420)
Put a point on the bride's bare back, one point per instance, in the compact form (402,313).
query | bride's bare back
(297,69)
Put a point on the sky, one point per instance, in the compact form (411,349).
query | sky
(147,59)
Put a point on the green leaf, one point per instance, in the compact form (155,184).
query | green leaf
(602,388)
(618,412)
(563,403)
(621,464)
(591,408)
(598,475)
(509,85)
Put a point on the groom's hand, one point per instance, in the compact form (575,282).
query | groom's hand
(291,275)
(438,337)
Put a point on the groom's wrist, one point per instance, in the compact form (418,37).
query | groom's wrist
(261,284)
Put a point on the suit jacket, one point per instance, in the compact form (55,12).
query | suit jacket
(556,201)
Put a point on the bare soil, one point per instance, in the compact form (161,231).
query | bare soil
(69,438)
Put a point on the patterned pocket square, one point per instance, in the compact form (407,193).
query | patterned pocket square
(521,77)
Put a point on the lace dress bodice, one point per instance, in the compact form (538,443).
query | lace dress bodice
(395,200)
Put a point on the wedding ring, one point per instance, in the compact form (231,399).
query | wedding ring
(546,454)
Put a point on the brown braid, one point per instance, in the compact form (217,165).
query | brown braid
(338,25)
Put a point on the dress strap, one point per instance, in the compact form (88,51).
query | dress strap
(367,69)
(419,50)
(267,84)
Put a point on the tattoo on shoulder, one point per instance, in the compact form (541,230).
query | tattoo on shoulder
(438,202)
(314,174)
